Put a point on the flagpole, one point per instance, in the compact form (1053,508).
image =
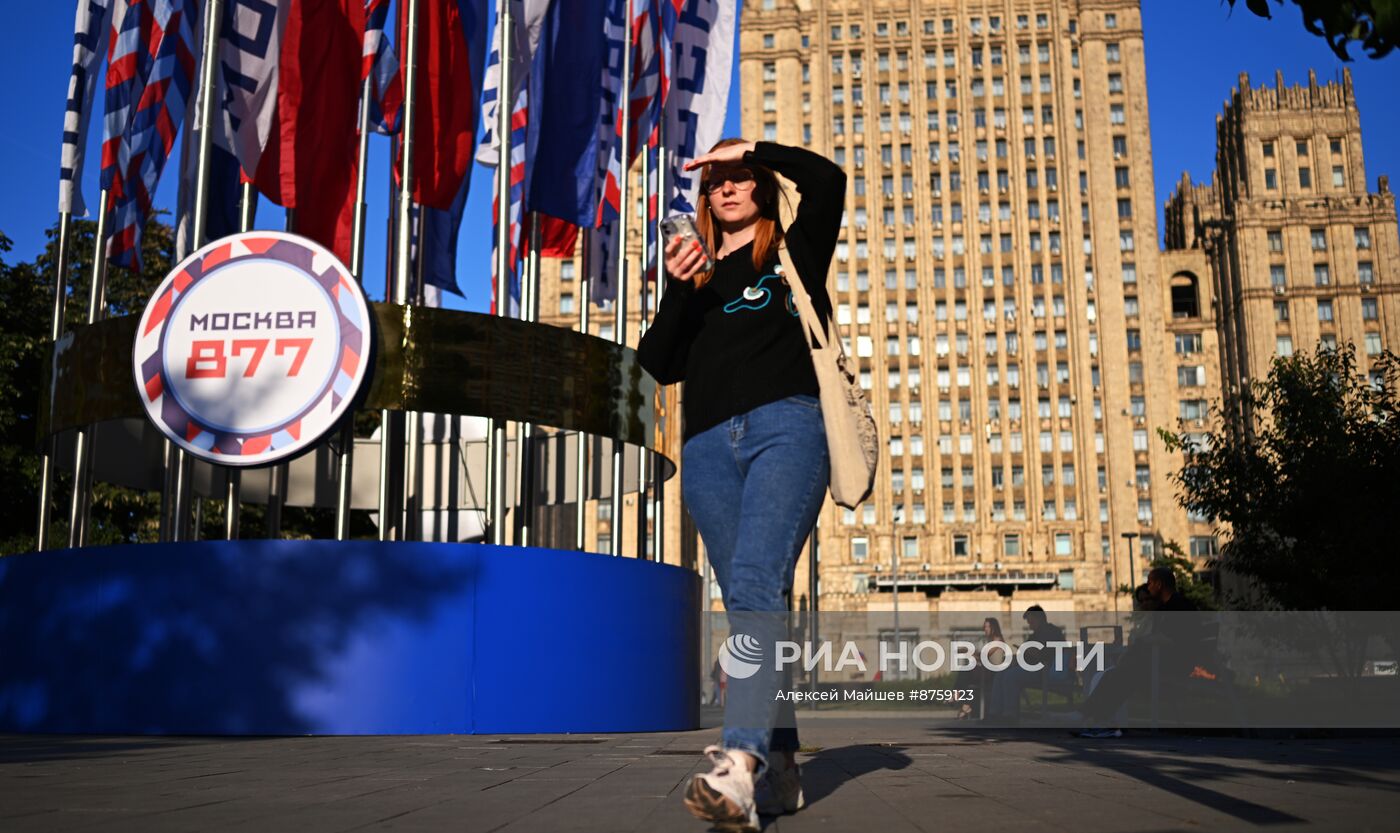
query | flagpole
(345,471)
(620,304)
(525,431)
(213,12)
(413,467)
(581,467)
(496,439)
(388,425)
(658,525)
(233,485)
(60,299)
(82,451)
(643,453)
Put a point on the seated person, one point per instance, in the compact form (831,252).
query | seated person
(1007,686)
(1175,638)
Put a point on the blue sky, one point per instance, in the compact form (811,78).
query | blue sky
(1195,52)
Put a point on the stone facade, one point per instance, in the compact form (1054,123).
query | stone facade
(1020,332)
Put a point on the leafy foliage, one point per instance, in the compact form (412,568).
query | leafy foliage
(1374,24)
(1304,468)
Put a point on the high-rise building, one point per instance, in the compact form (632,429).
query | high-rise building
(1301,252)
(998,279)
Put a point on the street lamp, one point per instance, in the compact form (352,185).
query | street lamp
(1130,536)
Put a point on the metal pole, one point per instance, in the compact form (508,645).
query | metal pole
(658,513)
(581,469)
(345,471)
(82,450)
(814,606)
(388,425)
(404,233)
(213,12)
(894,567)
(525,431)
(413,470)
(60,300)
(620,302)
(248,210)
(496,438)
(644,453)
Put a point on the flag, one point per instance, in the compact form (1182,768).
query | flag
(653,198)
(382,65)
(90,29)
(250,49)
(574,87)
(451,50)
(250,41)
(311,158)
(527,23)
(150,73)
(519,121)
(647,86)
(702,65)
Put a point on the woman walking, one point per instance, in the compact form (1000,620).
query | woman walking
(754,465)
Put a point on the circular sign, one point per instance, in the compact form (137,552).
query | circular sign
(253,348)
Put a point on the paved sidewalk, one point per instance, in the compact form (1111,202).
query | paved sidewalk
(886,776)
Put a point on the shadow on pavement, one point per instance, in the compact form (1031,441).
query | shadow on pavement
(1192,767)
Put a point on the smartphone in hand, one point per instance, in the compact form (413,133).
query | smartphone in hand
(683,226)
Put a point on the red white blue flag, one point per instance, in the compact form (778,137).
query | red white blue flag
(702,65)
(90,29)
(382,65)
(519,121)
(527,24)
(150,73)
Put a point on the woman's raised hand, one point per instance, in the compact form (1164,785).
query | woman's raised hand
(728,153)
(684,258)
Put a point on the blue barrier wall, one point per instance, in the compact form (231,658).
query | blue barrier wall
(360,637)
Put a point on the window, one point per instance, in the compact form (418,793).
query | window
(1110,21)
(1280,311)
(1304,177)
(1121,177)
(1338,177)
(1277,275)
(909,547)
(1063,549)
(768,41)
(1011,545)
(960,548)
(1369,309)
(1324,309)
(1365,273)
(1319,239)
(1322,276)
(1191,376)
(1373,344)
(1116,114)
(1302,149)
(1139,439)
(1271,179)
(1363,237)
(1203,546)
(1283,345)
(1268,150)
(566,303)
(770,71)
(1115,82)
(860,549)
(1112,54)
(1188,343)
(1275,237)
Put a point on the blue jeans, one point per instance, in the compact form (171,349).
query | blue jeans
(755,484)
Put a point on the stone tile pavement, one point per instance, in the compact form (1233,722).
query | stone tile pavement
(876,776)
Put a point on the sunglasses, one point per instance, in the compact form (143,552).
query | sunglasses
(741,178)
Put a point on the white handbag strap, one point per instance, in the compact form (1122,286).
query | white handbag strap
(825,335)
(810,322)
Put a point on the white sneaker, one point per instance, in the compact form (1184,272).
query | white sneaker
(724,796)
(780,789)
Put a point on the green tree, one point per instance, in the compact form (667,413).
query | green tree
(1374,24)
(1304,469)
(1199,592)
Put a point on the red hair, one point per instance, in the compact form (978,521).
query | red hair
(767,233)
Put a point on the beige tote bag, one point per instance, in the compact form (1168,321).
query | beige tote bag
(851,439)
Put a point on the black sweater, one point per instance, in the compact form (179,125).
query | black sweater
(736,353)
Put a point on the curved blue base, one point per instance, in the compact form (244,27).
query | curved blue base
(327,637)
